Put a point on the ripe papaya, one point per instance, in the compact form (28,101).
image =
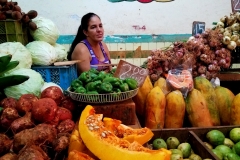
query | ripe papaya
(197,110)
(224,103)
(235,110)
(206,88)
(162,83)
(140,98)
(175,110)
(155,109)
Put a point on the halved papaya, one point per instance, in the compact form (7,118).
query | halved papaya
(180,79)
(107,146)
(141,135)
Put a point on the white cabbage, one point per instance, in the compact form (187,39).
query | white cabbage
(42,53)
(32,86)
(46,30)
(61,51)
(19,53)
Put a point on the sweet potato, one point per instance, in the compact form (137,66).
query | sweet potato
(9,156)
(8,102)
(68,103)
(44,110)
(41,134)
(66,126)
(22,123)
(25,103)
(5,144)
(32,152)
(61,142)
(53,92)
(8,116)
(63,114)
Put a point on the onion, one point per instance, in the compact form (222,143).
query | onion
(232,45)
(226,40)
(220,24)
(235,27)
(234,38)
(238,42)
(223,19)
(230,20)
(227,33)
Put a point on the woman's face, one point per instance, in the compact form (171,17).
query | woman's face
(95,29)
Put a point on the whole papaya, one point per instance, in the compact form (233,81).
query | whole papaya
(235,110)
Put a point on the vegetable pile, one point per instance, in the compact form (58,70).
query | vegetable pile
(205,54)
(33,127)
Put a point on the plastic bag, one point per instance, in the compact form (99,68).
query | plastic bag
(180,79)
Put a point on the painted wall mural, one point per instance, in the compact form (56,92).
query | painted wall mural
(141,1)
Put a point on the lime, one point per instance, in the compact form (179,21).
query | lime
(218,153)
(234,135)
(224,149)
(176,151)
(195,157)
(236,148)
(172,142)
(185,148)
(176,156)
(215,137)
(159,143)
(208,145)
(228,142)
(231,156)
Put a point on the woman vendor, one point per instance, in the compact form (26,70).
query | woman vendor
(88,45)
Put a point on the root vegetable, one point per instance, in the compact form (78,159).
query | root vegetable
(22,123)
(5,144)
(68,103)
(61,143)
(66,126)
(232,45)
(220,24)
(8,102)
(9,156)
(44,110)
(53,92)
(25,103)
(226,40)
(8,116)
(39,135)
(63,114)
(32,152)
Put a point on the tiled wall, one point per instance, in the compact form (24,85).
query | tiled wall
(119,50)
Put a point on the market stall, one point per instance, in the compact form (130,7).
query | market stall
(181,103)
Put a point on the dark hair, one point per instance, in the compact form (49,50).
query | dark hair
(80,35)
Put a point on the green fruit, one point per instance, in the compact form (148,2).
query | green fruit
(218,153)
(234,135)
(208,145)
(176,151)
(185,148)
(215,137)
(224,149)
(195,157)
(172,142)
(159,143)
(231,156)
(228,142)
(236,148)
(176,157)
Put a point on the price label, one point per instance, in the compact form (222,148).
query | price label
(235,5)
(127,70)
(198,27)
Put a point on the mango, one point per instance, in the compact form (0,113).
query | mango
(224,103)
(206,88)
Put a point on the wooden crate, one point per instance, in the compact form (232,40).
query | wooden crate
(185,135)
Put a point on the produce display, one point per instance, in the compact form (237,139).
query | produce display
(33,127)
(204,54)
(95,82)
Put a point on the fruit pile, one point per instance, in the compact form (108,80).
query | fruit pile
(224,146)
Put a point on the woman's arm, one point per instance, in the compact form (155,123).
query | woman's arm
(81,53)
